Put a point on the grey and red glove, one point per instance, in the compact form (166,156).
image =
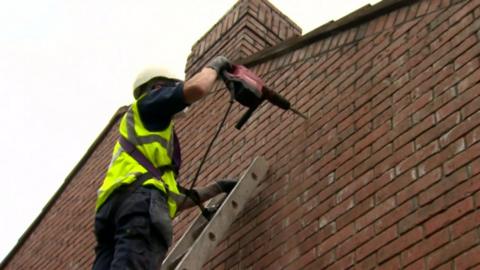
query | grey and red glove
(219,64)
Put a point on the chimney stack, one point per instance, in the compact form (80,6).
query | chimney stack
(249,27)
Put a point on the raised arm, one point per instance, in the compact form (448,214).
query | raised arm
(201,83)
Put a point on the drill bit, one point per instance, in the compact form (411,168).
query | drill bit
(299,113)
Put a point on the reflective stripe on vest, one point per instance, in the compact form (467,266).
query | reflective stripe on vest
(156,146)
(139,140)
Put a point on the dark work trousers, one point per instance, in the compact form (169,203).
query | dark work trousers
(133,230)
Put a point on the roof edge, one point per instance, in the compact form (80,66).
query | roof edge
(359,16)
(120,112)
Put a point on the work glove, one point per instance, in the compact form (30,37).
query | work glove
(219,64)
(226,185)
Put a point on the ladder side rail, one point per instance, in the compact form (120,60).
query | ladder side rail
(215,230)
(188,238)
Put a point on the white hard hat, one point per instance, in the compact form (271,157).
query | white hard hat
(149,74)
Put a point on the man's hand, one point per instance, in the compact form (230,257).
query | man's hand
(226,185)
(219,64)
(204,193)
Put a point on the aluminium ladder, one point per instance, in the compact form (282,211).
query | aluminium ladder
(201,238)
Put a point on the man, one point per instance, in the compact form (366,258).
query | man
(134,209)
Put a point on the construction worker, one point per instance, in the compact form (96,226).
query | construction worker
(133,224)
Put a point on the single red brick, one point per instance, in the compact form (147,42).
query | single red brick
(355,185)
(417,157)
(421,215)
(402,103)
(459,50)
(356,240)
(374,186)
(390,19)
(372,137)
(335,239)
(349,165)
(445,266)
(402,127)
(439,129)
(367,263)
(423,8)
(380,23)
(471,108)
(396,158)
(412,108)
(219,267)
(322,262)
(402,14)
(451,214)
(468,259)
(457,103)
(412,11)
(463,190)
(289,256)
(443,89)
(399,244)
(317,238)
(336,212)
(302,261)
(393,263)
(461,159)
(466,58)
(453,30)
(425,246)
(452,249)
(461,13)
(376,243)
(419,185)
(394,216)
(477,199)
(352,214)
(395,186)
(343,263)
(266,260)
(375,213)
(345,156)
(414,132)
(470,82)
(474,136)
(461,129)
(418,265)
(376,158)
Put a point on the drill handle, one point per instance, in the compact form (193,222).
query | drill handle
(245,117)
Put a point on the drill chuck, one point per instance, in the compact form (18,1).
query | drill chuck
(279,101)
(276,99)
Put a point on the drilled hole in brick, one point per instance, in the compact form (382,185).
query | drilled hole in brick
(254,176)
(234,204)
(211,236)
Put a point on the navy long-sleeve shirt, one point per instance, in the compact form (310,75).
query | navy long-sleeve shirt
(157,108)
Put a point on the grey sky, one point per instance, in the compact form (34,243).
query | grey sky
(67,66)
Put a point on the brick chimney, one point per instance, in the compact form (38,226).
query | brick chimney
(249,27)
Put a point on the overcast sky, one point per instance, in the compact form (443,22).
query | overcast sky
(67,66)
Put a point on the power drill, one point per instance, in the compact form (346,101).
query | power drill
(250,91)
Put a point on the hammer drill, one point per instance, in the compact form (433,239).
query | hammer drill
(250,91)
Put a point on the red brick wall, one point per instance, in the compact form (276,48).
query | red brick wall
(385,173)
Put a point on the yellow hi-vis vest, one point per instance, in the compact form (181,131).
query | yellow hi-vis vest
(157,147)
